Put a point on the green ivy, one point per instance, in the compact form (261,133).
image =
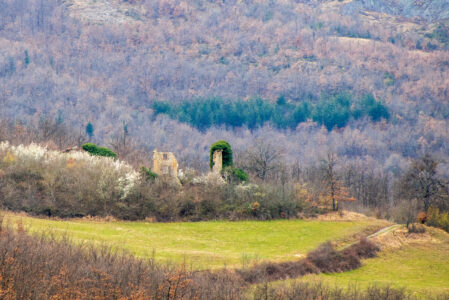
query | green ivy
(227,153)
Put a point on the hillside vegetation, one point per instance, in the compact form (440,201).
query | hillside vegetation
(107,62)
(427,10)
(317,108)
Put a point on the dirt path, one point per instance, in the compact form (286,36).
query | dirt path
(384,230)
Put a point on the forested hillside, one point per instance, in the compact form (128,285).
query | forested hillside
(64,64)
(428,10)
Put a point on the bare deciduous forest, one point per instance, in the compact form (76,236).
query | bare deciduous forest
(327,105)
(66,64)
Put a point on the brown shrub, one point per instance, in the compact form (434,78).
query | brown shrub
(313,291)
(324,259)
(328,260)
(275,271)
(44,268)
(363,249)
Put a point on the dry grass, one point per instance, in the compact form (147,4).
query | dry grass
(344,215)
(400,237)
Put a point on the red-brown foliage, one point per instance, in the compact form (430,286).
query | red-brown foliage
(44,268)
(324,259)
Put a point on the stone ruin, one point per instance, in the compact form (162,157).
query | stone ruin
(218,161)
(165,166)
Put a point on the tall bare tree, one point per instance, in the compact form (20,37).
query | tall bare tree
(336,191)
(262,158)
(422,182)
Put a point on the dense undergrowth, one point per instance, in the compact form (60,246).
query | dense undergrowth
(45,268)
(47,182)
(438,218)
(40,181)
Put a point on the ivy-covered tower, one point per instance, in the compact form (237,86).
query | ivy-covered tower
(220,156)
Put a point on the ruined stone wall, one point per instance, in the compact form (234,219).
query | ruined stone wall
(165,166)
(218,161)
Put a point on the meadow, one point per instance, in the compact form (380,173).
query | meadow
(206,245)
(420,266)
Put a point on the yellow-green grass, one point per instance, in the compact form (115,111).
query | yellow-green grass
(204,245)
(422,268)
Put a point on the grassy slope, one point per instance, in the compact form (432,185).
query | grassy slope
(207,244)
(421,267)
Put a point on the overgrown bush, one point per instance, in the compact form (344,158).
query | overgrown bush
(438,219)
(236,175)
(324,259)
(363,249)
(328,260)
(148,174)
(422,217)
(98,151)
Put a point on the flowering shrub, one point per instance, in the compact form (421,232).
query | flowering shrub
(64,184)
(37,180)
(211,179)
(187,175)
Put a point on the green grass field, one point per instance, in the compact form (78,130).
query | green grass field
(422,268)
(204,245)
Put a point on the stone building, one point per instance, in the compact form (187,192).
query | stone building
(165,166)
(218,161)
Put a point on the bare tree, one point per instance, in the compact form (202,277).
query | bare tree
(262,158)
(422,182)
(336,191)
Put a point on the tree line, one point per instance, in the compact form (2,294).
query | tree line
(332,111)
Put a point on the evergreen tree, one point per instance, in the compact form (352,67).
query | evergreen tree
(27,59)
(90,130)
